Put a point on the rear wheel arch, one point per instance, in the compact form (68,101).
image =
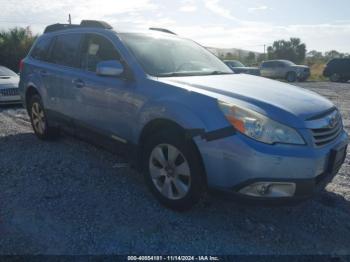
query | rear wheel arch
(30,92)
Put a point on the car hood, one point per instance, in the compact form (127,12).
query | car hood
(283,102)
(9,82)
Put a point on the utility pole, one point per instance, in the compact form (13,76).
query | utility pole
(69,19)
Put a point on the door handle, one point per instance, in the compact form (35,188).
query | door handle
(78,83)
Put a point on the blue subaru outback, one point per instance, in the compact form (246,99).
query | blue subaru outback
(191,124)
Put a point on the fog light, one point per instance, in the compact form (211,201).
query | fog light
(269,189)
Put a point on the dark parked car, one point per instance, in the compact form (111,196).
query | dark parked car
(284,69)
(9,86)
(338,70)
(240,68)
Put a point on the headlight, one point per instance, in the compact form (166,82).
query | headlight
(259,127)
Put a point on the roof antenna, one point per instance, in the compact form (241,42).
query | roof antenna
(69,19)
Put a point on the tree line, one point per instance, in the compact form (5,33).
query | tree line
(292,49)
(14,45)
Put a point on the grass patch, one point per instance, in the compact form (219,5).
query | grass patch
(317,72)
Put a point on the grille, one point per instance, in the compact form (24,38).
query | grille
(9,92)
(323,136)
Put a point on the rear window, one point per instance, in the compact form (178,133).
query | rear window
(41,49)
(65,50)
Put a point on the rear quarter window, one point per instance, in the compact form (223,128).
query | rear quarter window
(41,49)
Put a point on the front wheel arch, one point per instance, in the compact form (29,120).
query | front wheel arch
(156,126)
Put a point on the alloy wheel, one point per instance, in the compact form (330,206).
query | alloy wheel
(170,171)
(38,118)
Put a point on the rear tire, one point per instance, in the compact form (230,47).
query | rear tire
(39,120)
(173,170)
(291,77)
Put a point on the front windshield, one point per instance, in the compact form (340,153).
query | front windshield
(4,71)
(166,55)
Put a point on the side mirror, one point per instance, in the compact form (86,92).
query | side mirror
(109,68)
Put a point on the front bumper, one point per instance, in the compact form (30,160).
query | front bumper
(7,100)
(232,163)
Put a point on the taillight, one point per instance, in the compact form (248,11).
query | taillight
(21,65)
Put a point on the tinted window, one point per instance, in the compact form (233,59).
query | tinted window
(347,64)
(65,50)
(267,64)
(235,64)
(4,71)
(41,49)
(97,48)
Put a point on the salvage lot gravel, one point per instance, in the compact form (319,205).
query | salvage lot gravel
(70,197)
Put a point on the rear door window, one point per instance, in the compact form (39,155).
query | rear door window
(66,49)
(95,49)
(41,49)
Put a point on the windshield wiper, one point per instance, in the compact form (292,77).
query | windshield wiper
(219,73)
(175,74)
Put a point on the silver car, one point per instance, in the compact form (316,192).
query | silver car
(9,87)
(284,69)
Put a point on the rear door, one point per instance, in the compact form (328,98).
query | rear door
(266,69)
(65,58)
(42,69)
(280,69)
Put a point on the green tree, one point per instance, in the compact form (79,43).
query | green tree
(292,50)
(14,45)
(333,54)
(250,59)
(314,57)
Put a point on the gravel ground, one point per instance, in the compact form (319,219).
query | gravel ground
(69,197)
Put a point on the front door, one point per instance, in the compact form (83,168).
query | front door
(103,104)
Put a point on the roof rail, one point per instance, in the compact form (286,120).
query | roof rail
(95,23)
(162,30)
(84,23)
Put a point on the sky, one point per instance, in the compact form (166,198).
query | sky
(248,24)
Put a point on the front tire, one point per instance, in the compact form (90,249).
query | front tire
(291,77)
(39,120)
(335,77)
(173,170)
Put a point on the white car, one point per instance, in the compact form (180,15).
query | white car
(9,87)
